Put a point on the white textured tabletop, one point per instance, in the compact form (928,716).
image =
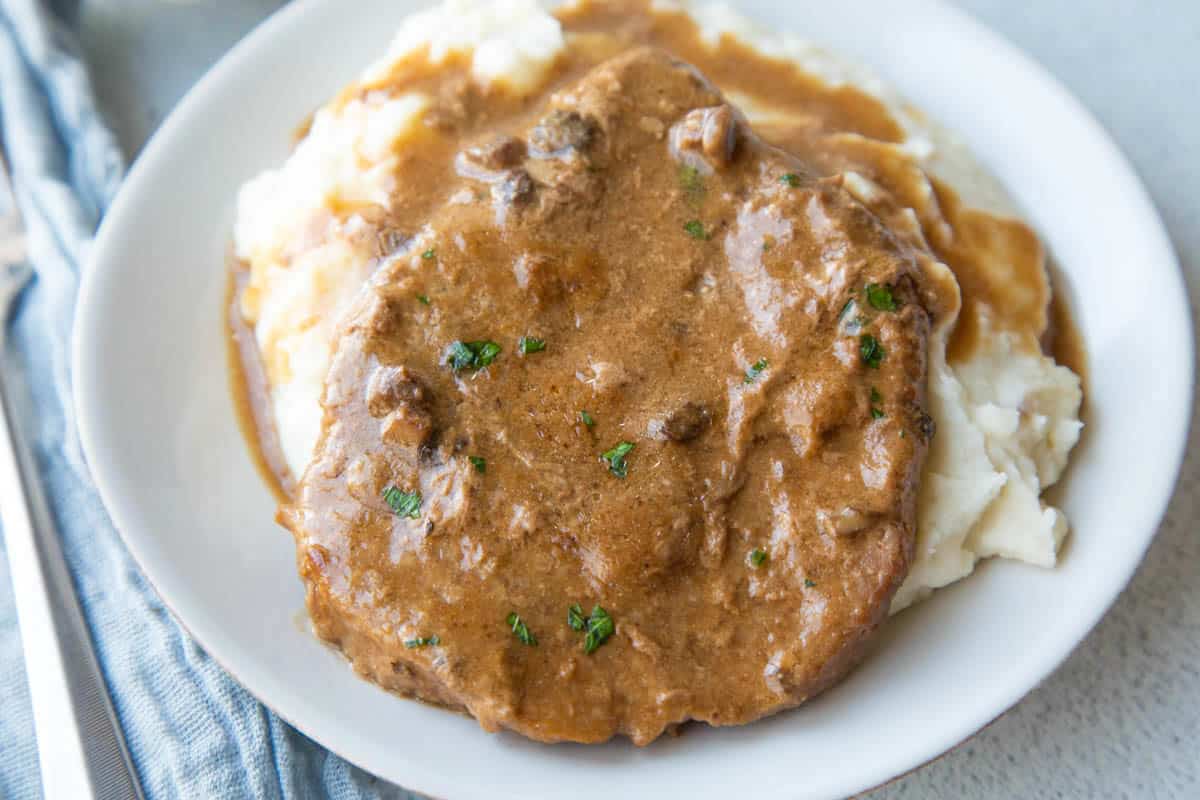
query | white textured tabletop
(1121,718)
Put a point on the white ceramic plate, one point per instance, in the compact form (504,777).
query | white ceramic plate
(159,430)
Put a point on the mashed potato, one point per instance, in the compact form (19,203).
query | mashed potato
(1007,417)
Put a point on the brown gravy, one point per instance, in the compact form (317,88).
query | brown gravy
(676,539)
(654,306)
(1062,341)
(251,393)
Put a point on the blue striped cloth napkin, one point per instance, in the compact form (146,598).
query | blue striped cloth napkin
(192,730)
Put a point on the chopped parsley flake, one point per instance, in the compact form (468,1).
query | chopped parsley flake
(877,413)
(758,558)
(809,583)
(521,630)
(871,350)
(422,641)
(529,344)
(692,182)
(404,504)
(756,369)
(879,295)
(790,179)
(597,627)
(876,399)
(423,299)
(600,626)
(472,355)
(429,254)
(695,229)
(575,619)
(586,418)
(616,458)
(478,462)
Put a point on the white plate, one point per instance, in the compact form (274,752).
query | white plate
(158,427)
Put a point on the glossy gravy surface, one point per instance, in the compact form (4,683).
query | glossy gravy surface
(707,293)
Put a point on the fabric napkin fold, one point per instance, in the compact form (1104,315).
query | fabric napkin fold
(193,731)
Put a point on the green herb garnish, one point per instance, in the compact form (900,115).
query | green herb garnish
(404,504)
(756,369)
(695,229)
(586,418)
(758,558)
(791,179)
(575,618)
(472,355)
(529,344)
(871,350)
(422,641)
(479,463)
(692,182)
(809,583)
(521,630)
(429,254)
(876,399)
(879,295)
(616,458)
(423,299)
(600,626)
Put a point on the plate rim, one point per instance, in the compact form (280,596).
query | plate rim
(1152,230)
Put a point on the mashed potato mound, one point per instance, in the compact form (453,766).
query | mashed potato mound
(1007,417)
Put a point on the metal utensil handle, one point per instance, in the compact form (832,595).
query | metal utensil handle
(81,751)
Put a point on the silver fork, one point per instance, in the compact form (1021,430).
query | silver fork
(81,751)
